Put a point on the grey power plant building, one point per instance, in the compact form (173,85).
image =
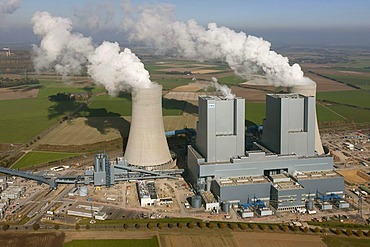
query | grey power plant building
(283,169)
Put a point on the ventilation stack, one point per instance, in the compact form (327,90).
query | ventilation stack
(147,145)
(309,90)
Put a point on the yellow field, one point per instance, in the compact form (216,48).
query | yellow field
(81,131)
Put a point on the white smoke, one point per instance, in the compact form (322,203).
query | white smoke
(117,70)
(60,49)
(223,89)
(9,6)
(245,54)
(68,52)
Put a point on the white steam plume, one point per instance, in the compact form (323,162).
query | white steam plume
(223,89)
(9,6)
(245,54)
(60,49)
(67,52)
(117,70)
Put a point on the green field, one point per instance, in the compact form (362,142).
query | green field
(231,80)
(354,97)
(362,82)
(358,115)
(108,106)
(326,114)
(334,241)
(172,83)
(36,158)
(254,113)
(23,119)
(114,243)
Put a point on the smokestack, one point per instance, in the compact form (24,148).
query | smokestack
(147,145)
(309,90)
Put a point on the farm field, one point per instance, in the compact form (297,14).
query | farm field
(36,158)
(333,241)
(153,242)
(25,118)
(172,83)
(359,81)
(349,113)
(355,97)
(231,80)
(108,106)
(271,239)
(16,239)
(80,131)
(254,113)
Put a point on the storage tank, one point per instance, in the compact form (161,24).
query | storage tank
(196,201)
(83,191)
(309,205)
(226,207)
(147,145)
(309,89)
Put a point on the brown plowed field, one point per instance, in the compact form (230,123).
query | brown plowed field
(249,94)
(327,85)
(14,239)
(8,93)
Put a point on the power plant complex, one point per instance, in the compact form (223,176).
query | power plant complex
(283,169)
(282,164)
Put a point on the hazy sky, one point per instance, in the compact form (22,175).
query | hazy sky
(337,19)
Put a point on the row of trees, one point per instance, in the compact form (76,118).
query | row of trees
(222,225)
(7,82)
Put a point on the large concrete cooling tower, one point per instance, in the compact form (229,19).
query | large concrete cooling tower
(309,90)
(147,145)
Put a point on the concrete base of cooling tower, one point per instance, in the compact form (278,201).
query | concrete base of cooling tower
(166,166)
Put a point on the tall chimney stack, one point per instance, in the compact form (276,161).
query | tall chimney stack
(147,145)
(309,90)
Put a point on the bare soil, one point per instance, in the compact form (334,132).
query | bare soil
(8,93)
(250,95)
(32,239)
(352,176)
(327,85)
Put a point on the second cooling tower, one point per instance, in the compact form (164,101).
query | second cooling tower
(310,90)
(147,145)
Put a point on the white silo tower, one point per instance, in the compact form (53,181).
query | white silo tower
(147,145)
(309,90)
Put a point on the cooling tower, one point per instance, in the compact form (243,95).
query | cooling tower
(147,145)
(309,90)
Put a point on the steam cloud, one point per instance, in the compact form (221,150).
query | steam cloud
(225,91)
(9,6)
(68,52)
(245,54)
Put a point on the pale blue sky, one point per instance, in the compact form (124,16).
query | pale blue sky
(337,16)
